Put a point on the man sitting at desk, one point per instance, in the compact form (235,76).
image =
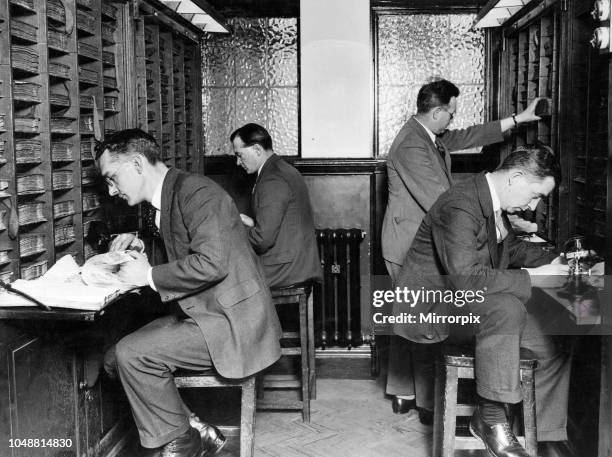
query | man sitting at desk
(465,244)
(226,316)
(283,232)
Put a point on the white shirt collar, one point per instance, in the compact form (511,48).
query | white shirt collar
(157,195)
(494,196)
(260,167)
(431,134)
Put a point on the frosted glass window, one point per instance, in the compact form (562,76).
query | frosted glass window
(412,50)
(251,75)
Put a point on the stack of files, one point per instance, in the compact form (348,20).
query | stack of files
(25,58)
(86,21)
(27,124)
(85,3)
(87,149)
(23,30)
(4,185)
(88,50)
(107,33)
(30,244)
(57,40)
(87,124)
(63,209)
(28,151)
(63,179)
(30,184)
(28,4)
(2,148)
(61,151)
(26,91)
(56,11)
(86,102)
(90,201)
(31,213)
(89,175)
(2,219)
(62,124)
(64,234)
(59,70)
(109,10)
(2,122)
(34,270)
(88,76)
(110,103)
(110,82)
(59,99)
(4,257)
(108,58)
(6,276)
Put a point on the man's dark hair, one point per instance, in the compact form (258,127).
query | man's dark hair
(252,134)
(434,94)
(537,160)
(129,141)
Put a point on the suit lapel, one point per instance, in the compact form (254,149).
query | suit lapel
(445,164)
(486,205)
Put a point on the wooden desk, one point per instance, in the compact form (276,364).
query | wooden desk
(583,310)
(49,385)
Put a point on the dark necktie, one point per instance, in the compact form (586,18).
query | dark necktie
(440,149)
(502,231)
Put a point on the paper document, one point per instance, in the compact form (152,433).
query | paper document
(63,285)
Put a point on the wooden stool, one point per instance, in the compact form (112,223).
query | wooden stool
(188,379)
(300,294)
(456,365)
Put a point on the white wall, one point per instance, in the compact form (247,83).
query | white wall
(335,78)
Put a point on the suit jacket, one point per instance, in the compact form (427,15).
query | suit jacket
(284,233)
(215,276)
(455,248)
(417,175)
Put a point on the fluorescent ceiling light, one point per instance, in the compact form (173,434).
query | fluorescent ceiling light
(194,12)
(496,12)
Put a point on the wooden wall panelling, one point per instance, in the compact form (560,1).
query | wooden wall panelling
(154,122)
(193,105)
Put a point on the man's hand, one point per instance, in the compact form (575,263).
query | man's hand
(135,271)
(125,241)
(521,225)
(246,220)
(528,115)
(549,276)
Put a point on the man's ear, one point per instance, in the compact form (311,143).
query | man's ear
(258,149)
(139,162)
(436,112)
(514,175)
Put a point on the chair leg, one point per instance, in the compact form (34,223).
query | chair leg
(259,386)
(311,349)
(449,414)
(303,310)
(247,418)
(529,420)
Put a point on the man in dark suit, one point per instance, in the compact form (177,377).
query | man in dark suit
(226,316)
(418,172)
(465,243)
(282,232)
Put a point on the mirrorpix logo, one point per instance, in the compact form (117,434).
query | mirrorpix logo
(413,297)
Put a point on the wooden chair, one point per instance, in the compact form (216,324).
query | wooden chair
(458,363)
(246,429)
(300,294)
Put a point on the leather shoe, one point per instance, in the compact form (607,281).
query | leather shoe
(212,438)
(188,444)
(402,406)
(425,416)
(499,439)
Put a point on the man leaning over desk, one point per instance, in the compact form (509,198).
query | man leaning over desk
(226,318)
(465,243)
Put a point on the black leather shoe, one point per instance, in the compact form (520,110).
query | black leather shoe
(498,439)
(188,444)
(425,416)
(402,406)
(212,438)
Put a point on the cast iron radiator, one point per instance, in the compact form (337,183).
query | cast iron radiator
(337,299)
